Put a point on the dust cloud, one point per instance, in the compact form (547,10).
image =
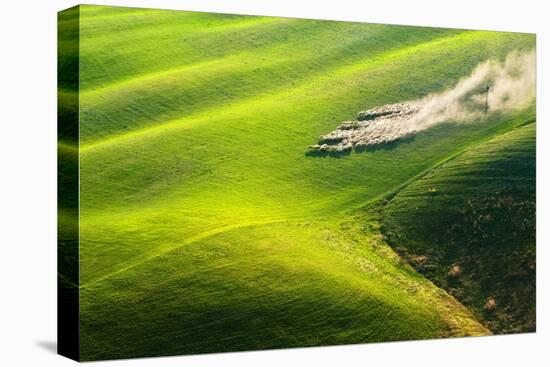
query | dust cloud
(493,86)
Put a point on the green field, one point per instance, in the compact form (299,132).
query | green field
(476,212)
(204,226)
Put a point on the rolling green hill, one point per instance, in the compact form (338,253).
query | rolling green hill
(204,226)
(469,225)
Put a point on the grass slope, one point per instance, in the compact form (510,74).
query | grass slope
(286,284)
(204,226)
(469,225)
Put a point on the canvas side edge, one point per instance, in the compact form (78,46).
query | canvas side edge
(68,318)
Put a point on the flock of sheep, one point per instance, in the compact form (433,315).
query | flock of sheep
(379,125)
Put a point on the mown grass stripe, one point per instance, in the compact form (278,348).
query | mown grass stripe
(239,75)
(151,25)
(128,58)
(269,99)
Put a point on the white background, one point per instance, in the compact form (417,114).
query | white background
(28,183)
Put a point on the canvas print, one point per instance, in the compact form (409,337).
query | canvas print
(234,183)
